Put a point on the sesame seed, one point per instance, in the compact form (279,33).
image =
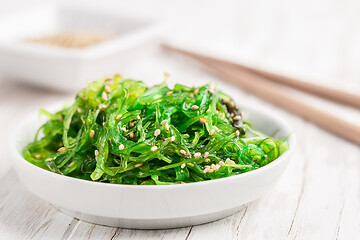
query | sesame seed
(236,118)
(108,88)
(102,107)
(237,133)
(232,114)
(92,133)
(183,165)
(172,139)
(163,122)
(71,164)
(104,96)
(138,117)
(157,132)
(211,170)
(229,161)
(79,110)
(138,165)
(206,154)
(169,93)
(132,124)
(196,91)
(194,107)
(121,147)
(131,135)
(211,132)
(221,163)
(37,156)
(182,151)
(196,155)
(104,124)
(154,148)
(62,149)
(167,127)
(96,153)
(124,129)
(202,120)
(118,117)
(190,164)
(182,182)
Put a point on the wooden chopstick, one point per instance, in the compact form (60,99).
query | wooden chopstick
(274,93)
(314,89)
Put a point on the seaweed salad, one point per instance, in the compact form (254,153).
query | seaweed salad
(121,131)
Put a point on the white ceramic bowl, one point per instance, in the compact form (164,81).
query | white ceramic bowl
(68,69)
(151,207)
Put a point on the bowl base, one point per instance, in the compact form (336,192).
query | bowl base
(164,223)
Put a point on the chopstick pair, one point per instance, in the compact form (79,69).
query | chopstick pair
(269,87)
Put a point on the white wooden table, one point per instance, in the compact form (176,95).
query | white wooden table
(318,197)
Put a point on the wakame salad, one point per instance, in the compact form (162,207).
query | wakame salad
(121,131)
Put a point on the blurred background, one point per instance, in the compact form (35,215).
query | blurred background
(315,41)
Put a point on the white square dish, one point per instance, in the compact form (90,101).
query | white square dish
(63,68)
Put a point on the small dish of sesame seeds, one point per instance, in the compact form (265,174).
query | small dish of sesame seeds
(127,155)
(61,47)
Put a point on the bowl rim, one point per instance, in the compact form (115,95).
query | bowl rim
(19,126)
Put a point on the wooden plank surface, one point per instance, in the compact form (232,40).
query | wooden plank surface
(318,197)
